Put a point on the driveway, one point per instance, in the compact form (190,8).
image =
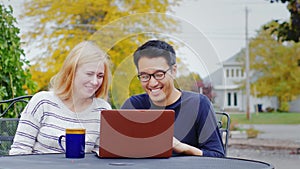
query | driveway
(276,144)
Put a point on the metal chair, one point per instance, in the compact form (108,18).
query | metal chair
(12,103)
(8,126)
(224,127)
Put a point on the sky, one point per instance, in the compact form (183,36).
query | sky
(223,23)
(212,30)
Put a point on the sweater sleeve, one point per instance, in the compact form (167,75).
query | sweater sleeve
(28,127)
(103,105)
(127,105)
(210,141)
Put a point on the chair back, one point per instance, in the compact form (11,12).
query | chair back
(223,121)
(8,126)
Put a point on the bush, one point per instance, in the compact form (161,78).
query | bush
(233,126)
(252,133)
(270,109)
(15,77)
(284,107)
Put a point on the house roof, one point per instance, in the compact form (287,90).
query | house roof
(235,59)
(217,77)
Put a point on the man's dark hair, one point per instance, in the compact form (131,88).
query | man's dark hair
(155,48)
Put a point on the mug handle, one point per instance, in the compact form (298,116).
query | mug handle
(59,142)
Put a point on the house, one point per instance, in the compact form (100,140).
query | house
(229,95)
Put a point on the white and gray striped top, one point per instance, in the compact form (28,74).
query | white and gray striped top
(46,117)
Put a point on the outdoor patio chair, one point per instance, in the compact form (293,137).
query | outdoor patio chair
(8,126)
(224,127)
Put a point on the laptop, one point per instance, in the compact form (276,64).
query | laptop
(136,133)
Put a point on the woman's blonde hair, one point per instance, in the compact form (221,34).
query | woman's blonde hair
(84,52)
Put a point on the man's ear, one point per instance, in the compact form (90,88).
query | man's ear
(174,71)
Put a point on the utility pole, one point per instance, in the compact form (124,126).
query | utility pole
(247,69)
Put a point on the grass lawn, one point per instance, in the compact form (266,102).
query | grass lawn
(266,118)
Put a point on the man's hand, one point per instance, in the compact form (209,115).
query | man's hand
(179,147)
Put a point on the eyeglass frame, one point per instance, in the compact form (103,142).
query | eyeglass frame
(153,74)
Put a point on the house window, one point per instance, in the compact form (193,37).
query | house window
(242,73)
(232,99)
(237,72)
(227,72)
(232,72)
(235,99)
(229,99)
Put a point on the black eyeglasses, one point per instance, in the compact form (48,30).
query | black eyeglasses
(158,75)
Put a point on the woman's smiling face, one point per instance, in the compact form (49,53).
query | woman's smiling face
(88,79)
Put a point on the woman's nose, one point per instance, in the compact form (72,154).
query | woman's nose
(94,80)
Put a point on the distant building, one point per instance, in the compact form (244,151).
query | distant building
(230,96)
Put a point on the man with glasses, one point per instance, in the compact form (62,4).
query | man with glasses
(195,128)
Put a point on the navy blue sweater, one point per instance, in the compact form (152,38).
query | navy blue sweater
(195,121)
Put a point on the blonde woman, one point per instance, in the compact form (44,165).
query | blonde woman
(75,100)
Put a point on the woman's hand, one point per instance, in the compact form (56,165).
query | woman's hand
(179,147)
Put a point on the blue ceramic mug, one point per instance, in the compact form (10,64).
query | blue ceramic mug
(75,143)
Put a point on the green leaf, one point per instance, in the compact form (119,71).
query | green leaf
(13,76)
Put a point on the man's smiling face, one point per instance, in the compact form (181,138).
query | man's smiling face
(158,90)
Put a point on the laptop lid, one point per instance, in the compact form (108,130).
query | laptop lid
(133,133)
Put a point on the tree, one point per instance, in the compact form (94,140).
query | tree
(59,25)
(188,82)
(275,69)
(15,78)
(206,89)
(288,31)
(193,82)
(117,26)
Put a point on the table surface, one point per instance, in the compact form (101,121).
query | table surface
(55,161)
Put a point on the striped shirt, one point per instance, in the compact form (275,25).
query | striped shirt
(46,117)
